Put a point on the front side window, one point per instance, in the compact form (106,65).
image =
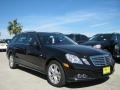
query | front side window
(14,39)
(31,39)
(22,39)
(55,39)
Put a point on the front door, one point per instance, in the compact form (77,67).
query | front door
(20,48)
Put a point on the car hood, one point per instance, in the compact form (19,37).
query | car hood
(92,43)
(103,43)
(79,50)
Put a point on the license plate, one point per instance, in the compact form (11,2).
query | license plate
(106,70)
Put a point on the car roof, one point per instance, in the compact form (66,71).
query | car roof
(42,32)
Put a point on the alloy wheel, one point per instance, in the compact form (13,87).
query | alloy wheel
(11,61)
(54,73)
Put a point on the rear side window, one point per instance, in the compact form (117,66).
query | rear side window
(22,39)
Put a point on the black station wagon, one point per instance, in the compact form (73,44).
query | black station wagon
(58,57)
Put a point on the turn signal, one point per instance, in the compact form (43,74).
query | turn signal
(66,65)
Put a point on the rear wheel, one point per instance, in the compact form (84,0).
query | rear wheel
(55,74)
(12,64)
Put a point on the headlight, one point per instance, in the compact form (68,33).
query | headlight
(97,46)
(73,59)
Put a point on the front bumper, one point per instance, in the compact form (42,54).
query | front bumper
(73,75)
(3,48)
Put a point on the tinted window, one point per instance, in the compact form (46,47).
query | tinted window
(14,39)
(31,39)
(22,39)
(101,37)
(78,37)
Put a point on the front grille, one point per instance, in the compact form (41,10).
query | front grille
(101,60)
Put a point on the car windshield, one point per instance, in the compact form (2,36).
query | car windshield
(101,37)
(55,39)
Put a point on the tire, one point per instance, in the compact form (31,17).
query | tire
(12,64)
(55,74)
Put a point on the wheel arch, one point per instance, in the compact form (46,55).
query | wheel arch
(9,53)
(52,59)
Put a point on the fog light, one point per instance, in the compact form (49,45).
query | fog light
(82,76)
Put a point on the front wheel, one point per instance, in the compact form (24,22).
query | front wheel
(12,64)
(55,74)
